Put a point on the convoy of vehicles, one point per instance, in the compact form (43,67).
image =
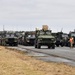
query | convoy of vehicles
(37,38)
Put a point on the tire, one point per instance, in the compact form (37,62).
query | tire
(38,46)
(57,45)
(53,47)
(62,44)
(35,46)
(49,47)
(16,44)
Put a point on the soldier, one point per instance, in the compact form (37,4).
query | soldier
(71,42)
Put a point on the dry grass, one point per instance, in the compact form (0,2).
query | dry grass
(17,63)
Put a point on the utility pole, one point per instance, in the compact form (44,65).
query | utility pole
(61,29)
(3,28)
(4,32)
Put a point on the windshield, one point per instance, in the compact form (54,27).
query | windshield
(31,35)
(44,32)
(41,33)
(64,35)
(9,35)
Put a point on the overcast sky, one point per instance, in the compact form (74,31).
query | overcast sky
(29,14)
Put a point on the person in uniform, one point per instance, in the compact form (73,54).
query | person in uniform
(71,42)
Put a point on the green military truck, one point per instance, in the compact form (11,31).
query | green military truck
(29,38)
(11,41)
(44,37)
(61,39)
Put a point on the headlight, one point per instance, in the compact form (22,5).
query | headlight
(15,40)
(27,40)
(39,40)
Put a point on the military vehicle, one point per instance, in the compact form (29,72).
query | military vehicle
(21,40)
(11,40)
(20,36)
(44,38)
(61,39)
(29,38)
(2,38)
(64,39)
(58,38)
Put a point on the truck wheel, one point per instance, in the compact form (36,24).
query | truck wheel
(61,45)
(57,45)
(16,44)
(38,46)
(49,47)
(53,47)
(35,46)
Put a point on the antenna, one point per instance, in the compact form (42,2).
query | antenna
(3,28)
(61,29)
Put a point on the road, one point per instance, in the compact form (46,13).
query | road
(59,54)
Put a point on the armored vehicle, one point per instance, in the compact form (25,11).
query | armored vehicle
(64,39)
(44,38)
(11,40)
(21,37)
(2,38)
(61,39)
(58,38)
(29,38)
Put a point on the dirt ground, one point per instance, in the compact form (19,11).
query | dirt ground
(13,62)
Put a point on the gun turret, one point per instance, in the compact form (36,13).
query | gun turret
(45,27)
